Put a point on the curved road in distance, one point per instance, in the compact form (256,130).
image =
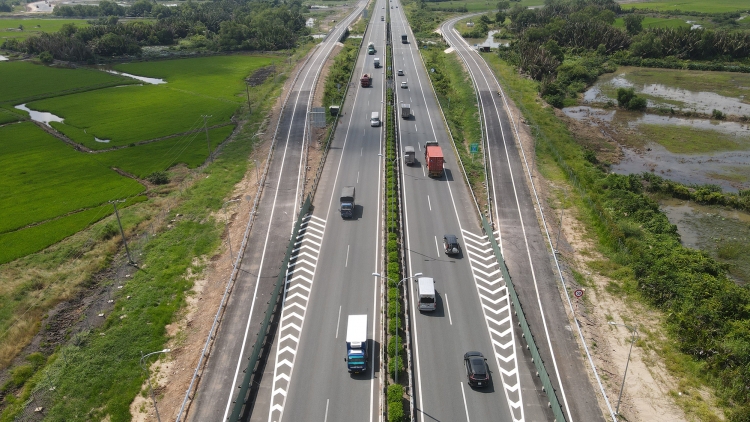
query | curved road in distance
(522,243)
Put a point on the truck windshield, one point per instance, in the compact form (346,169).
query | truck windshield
(346,206)
(356,360)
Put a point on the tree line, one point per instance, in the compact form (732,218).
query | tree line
(585,29)
(219,26)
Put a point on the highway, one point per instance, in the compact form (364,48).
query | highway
(332,276)
(266,246)
(523,245)
(474,312)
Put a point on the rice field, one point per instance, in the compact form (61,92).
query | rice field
(54,190)
(706,6)
(11,28)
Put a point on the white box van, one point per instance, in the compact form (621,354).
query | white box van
(426,294)
(375,119)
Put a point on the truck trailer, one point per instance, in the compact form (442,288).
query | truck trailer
(404,39)
(347,202)
(433,156)
(405,111)
(365,80)
(356,344)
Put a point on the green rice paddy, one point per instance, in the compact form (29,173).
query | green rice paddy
(26,81)
(44,178)
(53,190)
(9,28)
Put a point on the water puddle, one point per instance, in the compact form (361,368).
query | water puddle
(678,98)
(40,116)
(310,22)
(40,7)
(738,130)
(693,25)
(3,58)
(489,42)
(718,168)
(104,141)
(152,81)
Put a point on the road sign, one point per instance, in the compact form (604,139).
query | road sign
(578,293)
(474,148)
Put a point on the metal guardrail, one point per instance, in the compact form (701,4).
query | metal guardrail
(554,403)
(239,405)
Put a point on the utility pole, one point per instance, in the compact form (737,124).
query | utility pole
(205,126)
(127,250)
(247,90)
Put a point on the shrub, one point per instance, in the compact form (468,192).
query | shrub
(45,57)
(158,178)
(717,114)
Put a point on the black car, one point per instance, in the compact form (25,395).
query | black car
(476,369)
(450,244)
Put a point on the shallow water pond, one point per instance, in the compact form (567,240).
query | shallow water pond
(722,233)
(686,90)
(689,151)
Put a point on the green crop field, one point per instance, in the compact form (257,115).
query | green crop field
(22,81)
(219,77)
(706,6)
(52,190)
(131,114)
(43,178)
(123,115)
(143,160)
(9,28)
(649,22)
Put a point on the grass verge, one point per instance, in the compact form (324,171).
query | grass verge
(457,98)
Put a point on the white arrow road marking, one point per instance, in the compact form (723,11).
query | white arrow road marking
(497,314)
(304,260)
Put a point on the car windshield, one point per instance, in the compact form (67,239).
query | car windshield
(427,300)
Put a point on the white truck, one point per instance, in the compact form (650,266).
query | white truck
(356,344)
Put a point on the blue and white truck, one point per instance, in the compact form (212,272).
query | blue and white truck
(356,344)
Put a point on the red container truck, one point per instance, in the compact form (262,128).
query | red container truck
(366,80)
(433,156)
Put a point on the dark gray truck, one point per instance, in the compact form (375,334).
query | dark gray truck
(347,202)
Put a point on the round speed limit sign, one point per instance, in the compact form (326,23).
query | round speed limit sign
(578,293)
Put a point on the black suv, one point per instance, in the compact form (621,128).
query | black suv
(450,244)
(476,369)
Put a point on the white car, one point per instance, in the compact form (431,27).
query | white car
(403,85)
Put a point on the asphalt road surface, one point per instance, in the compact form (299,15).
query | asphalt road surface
(332,276)
(473,307)
(266,246)
(523,245)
